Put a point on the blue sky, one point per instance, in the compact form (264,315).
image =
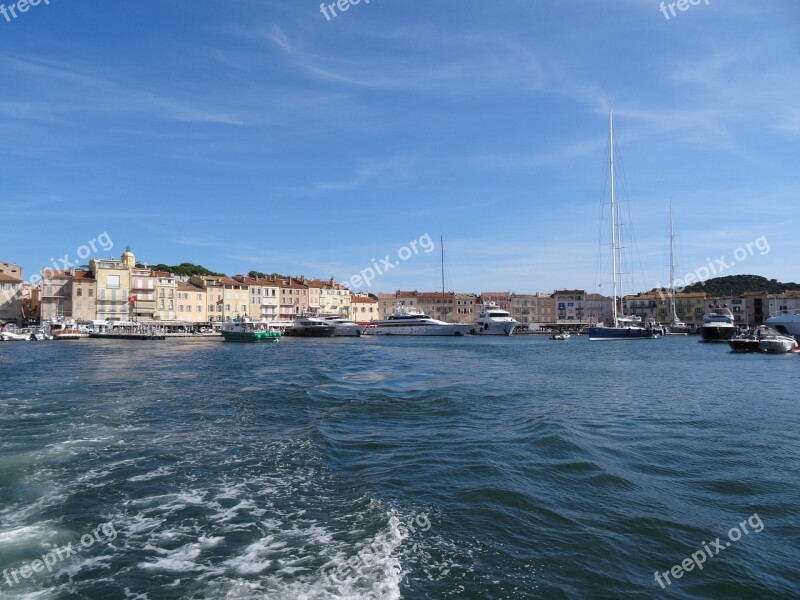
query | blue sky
(259,135)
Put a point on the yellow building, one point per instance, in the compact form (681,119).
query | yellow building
(113,279)
(191,304)
(84,289)
(11,297)
(364,309)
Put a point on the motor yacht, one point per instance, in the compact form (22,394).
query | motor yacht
(776,343)
(719,324)
(310,327)
(11,333)
(493,320)
(409,321)
(787,323)
(344,327)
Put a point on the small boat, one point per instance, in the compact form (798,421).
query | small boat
(310,327)
(344,327)
(745,342)
(11,333)
(65,330)
(776,343)
(560,336)
(409,321)
(676,326)
(493,320)
(245,330)
(39,334)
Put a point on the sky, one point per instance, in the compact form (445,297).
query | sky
(264,135)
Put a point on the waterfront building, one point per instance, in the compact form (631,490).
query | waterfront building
(293,299)
(191,304)
(113,280)
(166,294)
(364,309)
(84,289)
(237,297)
(144,284)
(56,302)
(334,298)
(689,306)
(264,297)
(570,307)
(598,308)
(437,305)
(466,308)
(386,304)
(215,292)
(502,299)
(10,293)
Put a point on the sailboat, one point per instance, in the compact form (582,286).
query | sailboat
(676,326)
(623,327)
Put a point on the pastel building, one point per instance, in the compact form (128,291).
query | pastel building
(56,301)
(215,296)
(113,280)
(84,288)
(293,299)
(191,304)
(10,293)
(166,296)
(364,309)
(264,297)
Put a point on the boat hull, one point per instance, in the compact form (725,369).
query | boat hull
(717,333)
(424,330)
(493,328)
(778,346)
(620,333)
(744,346)
(315,332)
(251,337)
(786,324)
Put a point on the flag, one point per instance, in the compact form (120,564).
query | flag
(133,298)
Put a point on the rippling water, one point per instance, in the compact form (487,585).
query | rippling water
(419,468)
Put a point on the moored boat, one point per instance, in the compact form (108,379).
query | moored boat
(245,330)
(719,324)
(344,327)
(11,333)
(493,320)
(745,342)
(775,343)
(622,327)
(409,321)
(310,327)
(786,322)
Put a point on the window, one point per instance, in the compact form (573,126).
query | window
(91,293)
(188,308)
(79,292)
(199,308)
(113,281)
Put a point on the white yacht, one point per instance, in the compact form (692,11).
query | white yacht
(11,333)
(409,321)
(344,327)
(493,320)
(776,343)
(719,324)
(788,323)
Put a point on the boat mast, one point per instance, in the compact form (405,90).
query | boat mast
(441,243)
(673,314)
(614,248)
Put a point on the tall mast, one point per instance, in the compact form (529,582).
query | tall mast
(613,213)
(441,243)
(673,314)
